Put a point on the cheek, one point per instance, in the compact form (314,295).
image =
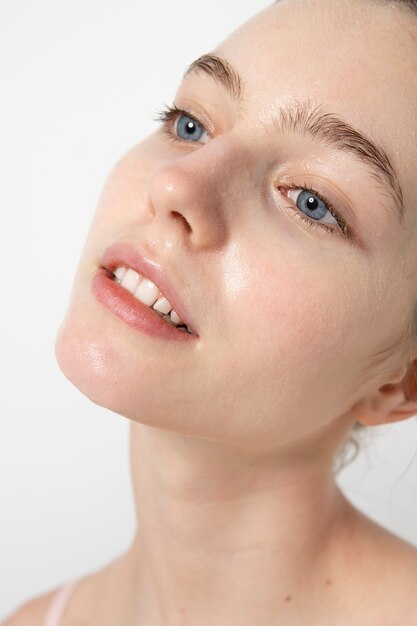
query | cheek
(297,309)
(297,329)
(298,344)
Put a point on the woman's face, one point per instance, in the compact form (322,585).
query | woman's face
(297,316)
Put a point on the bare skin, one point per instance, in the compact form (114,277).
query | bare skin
(301,334)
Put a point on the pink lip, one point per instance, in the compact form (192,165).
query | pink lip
(136,313)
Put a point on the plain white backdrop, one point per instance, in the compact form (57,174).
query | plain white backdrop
(79,84)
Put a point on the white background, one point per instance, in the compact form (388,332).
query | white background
(79,84)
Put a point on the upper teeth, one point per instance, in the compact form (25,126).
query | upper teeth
(147,292)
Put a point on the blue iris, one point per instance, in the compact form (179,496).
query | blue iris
(191,128)
(312,205)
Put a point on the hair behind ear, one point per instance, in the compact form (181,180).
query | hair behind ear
(351,448)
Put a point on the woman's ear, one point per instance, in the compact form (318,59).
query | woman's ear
(392,402)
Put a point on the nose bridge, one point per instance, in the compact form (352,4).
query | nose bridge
(220,156)
(204,178)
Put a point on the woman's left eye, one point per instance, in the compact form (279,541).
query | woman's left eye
(313,208)
(180,126)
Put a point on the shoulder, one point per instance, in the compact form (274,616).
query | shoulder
(387,564)
(78,603)
(399,572)
(32,612)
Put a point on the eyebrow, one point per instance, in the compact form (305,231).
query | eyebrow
(309,119)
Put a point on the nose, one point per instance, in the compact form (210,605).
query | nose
(197,195)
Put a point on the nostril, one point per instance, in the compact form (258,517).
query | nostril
(177,215)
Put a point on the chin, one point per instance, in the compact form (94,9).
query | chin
(102,371)
(88,361)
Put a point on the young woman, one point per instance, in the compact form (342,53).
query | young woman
(246,296)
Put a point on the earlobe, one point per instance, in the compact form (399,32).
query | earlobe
(392,402)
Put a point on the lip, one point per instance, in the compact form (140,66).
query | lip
(127,255)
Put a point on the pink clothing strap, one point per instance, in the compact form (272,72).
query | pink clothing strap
(59,603)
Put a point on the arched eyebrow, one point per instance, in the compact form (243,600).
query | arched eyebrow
(309,119)
(221,71)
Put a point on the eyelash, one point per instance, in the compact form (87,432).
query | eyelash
(168,113)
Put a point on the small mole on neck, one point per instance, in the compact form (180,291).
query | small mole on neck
(328,582)
(288,599)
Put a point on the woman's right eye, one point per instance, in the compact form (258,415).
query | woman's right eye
(180,126)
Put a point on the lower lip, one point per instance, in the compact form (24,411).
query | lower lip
(133,312)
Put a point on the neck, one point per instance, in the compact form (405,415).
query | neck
(225,538)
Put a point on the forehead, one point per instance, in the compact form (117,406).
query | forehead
(358,58)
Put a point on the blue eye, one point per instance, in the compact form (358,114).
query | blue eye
(190,128)
(185,127)
(312,208)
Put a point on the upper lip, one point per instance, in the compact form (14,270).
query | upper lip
(126,255)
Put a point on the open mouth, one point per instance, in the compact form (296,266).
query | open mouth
(144,290)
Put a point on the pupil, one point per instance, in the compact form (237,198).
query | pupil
(190,127)
(313,204)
